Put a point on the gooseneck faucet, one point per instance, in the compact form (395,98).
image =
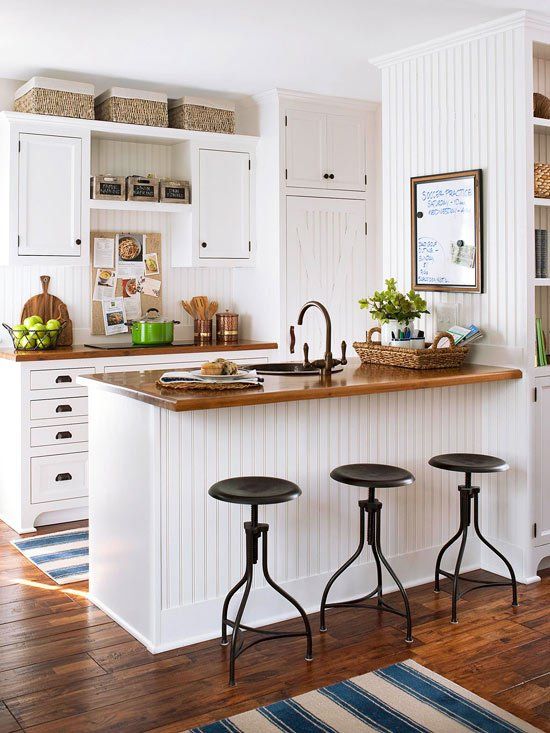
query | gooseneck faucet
(328,363)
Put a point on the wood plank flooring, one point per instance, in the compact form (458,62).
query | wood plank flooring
(65,667)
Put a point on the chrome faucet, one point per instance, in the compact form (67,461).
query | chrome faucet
(327,364)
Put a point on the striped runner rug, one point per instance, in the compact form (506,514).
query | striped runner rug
(403,698)
(62,556)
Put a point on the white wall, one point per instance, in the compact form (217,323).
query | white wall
(72,284)
(454,106)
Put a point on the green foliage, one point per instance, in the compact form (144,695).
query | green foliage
(390,304)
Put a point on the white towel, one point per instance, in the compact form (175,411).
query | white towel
(175,377)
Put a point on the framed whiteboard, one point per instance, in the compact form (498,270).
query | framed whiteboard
(446,236)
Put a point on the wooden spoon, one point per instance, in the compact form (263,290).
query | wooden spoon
(211,310)
(188,308)
(199,303)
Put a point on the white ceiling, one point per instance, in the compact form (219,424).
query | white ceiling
(234,47)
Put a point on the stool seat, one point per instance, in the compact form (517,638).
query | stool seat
(372,475)
(469,463)
(254,490)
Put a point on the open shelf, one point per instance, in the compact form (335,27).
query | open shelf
(541,125)
(155,206)
(543,282)
(541,202)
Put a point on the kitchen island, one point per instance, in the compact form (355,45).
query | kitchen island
(163,553)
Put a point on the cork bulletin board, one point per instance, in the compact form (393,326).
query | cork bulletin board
(153,245)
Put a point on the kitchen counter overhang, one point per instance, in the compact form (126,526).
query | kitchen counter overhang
(355,379)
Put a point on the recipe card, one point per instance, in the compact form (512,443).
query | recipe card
(114,316)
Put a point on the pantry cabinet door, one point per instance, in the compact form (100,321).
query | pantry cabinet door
(49,195)
(306,165)
(542,479)
(326,260)
(346,152)
(224,205)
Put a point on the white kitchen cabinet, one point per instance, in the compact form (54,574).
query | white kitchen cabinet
(326,260)
(224,205)
(325,150)
(542,478)
(50,195)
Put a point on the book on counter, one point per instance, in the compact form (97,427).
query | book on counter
(465,335)
(541,253)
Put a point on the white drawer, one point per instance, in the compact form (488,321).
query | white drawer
(55,478)
(152,367)
(59,435)
(63,407)
(57,378)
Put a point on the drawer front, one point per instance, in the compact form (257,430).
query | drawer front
(59,435)
(57,378)
(63,407)
(55,478)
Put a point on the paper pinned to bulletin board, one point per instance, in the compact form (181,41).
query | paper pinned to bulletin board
(123,285)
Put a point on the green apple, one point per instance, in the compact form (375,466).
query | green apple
(44,342)
(38,328)
(31,321)
(18,332)
(53,324)
(27,342)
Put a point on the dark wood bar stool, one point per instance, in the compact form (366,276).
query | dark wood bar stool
(469,463)
(372,476)
(255,490)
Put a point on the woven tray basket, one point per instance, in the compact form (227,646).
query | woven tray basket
(542,180)
(201,386)
(541,106)
(133,111)
(372,352)
(54,102)
(204,119)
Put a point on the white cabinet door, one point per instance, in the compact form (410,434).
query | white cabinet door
(50,195)
(306,149)
(346,152)
(542,477)
(326,260)
(224,204)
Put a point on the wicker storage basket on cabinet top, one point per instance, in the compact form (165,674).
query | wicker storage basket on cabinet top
(205,115)
(58,97)
(541,106)
(132,106)
(542,180)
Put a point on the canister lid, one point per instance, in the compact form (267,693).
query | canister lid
(227,314)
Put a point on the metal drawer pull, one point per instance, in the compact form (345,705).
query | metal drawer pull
(63,378)
(63,435)
(63,408)
(63,477)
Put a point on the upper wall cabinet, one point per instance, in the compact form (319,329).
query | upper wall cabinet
(50,196)
(325,150)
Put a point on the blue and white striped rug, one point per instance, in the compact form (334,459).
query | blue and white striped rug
(403,698)
(63,556)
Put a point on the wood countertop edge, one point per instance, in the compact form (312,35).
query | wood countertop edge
(247,398)
(85,352)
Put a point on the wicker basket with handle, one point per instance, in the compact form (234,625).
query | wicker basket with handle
(542,180)
(432,357)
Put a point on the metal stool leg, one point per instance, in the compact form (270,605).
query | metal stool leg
(344,567)
(497,553)
(235,647)
(440,557)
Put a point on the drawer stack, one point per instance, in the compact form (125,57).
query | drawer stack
(58,436)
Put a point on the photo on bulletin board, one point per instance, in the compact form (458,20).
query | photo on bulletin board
(446,236)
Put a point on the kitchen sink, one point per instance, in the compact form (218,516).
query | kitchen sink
(288,369)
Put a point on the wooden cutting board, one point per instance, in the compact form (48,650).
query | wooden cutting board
(49,306)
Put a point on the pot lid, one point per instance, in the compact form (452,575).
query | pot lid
(153,315)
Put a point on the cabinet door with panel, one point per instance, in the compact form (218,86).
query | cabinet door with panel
(49,195)
(224,205)
(326,260)
(346,152)
(306,149)
(542,477)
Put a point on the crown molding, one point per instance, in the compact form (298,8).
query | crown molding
(521,19)
(309,98)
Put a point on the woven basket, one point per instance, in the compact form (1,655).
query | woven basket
(54,102)
(203,119)
(541,106)
(133,111)
(372,352)
(206,387)
(542,180)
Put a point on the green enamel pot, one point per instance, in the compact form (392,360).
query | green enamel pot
(152,329)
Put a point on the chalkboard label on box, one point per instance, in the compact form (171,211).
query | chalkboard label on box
(144,191)
(110,189)
(176,192)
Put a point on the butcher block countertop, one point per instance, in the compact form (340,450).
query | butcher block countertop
(87,352)
(353,380)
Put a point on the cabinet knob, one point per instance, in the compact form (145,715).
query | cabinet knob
(331,176)
(203,244)
(326,175)
(78,241)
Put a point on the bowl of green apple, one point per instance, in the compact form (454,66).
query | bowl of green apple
(33,333)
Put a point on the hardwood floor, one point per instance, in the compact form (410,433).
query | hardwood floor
(66,667)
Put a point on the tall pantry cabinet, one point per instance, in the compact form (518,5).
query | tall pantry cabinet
(317,183)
